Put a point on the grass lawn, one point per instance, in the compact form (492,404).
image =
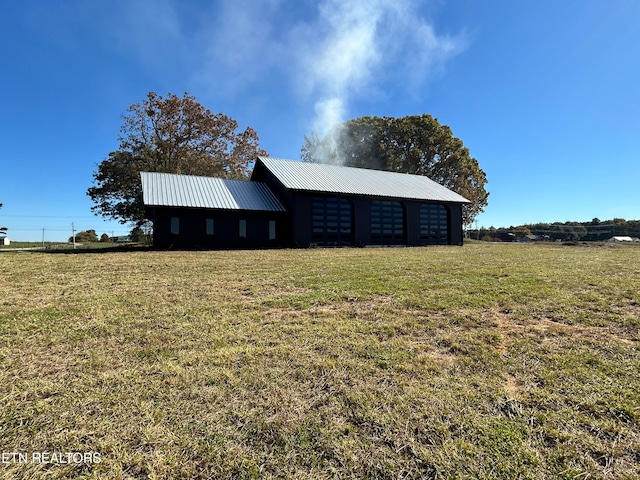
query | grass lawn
(57,246)
(485,361)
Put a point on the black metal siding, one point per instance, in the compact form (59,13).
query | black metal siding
(412,215)
(455,224)
(193,232)
(300,209)
(287,198)
(299,205)
(294,228)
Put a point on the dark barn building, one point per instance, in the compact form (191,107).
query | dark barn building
(296,204)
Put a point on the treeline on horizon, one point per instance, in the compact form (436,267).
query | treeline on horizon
(594,231)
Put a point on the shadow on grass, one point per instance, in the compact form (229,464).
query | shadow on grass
(83,250)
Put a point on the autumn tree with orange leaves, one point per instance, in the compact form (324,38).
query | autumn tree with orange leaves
(171,135)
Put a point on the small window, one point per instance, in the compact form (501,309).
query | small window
(243,229)
(210,227)
(272,229)
(175,226)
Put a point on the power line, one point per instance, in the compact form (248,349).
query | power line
(80,227)
(39,229)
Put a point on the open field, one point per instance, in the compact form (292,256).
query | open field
(61,246)
(485,361)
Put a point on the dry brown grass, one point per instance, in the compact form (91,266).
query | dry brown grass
(487,361)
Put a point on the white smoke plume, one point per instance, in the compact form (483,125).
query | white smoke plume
(358,47)
(334,52)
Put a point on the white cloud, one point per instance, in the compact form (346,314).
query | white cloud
(346,53)
(240,43)
(333,52)
(330,53)
(358,47)
(328,112)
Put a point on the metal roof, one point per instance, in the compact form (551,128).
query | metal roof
(172,190)
(318,177)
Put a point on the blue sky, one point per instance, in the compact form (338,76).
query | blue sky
(544,93)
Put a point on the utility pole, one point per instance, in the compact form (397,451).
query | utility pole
(73,231)
(43,238)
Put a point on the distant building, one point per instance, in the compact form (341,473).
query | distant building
(529,238)
(4,240)
(620,239)
(122,239)
(296,204)
(505,237)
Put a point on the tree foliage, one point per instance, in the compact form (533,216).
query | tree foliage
(85,236)
(118,192)
(419,145)
(171,135)
(521,231)
(595,230)
(141,234)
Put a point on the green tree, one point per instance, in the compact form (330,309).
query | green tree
(136,234)
(118,192)
(142,233)
(172,135)
(521,231)
(104,238)
(416,144)
(356,143)
(86,236)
